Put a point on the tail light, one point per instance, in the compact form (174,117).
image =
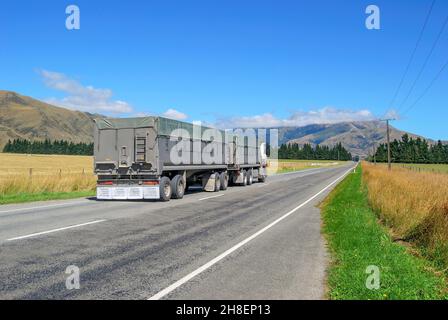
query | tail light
(105,183)
(151,183)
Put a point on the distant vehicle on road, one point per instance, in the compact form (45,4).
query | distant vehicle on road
(160,158)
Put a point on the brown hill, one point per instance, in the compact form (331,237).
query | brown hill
(27,118)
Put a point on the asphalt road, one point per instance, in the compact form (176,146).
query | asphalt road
(257,242)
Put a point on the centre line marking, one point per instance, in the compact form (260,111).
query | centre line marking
(41,207)
(54,230)
(204,267)
(219,195)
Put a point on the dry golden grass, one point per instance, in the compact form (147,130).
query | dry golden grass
(413,204)
(17,164)
(43,173)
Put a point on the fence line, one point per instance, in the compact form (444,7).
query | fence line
(44,171)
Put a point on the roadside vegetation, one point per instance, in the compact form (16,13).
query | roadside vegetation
(357,240)
(414,205)
(25,178)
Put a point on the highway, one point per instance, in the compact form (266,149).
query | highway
(257,242)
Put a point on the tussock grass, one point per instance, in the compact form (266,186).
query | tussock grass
(414,205)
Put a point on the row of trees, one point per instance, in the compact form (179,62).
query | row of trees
(307,152)
(410,150)
(48,147)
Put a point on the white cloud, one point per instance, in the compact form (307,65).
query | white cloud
(174,114)
(325,115)
(141,114)
(82,98)
(392,114)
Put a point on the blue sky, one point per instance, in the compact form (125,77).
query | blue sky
(228,62)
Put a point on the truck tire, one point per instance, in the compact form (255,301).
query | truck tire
(178,187)
(224,179)
(217,182)
(165,189)
(231,180)
(250,177)
(244,178)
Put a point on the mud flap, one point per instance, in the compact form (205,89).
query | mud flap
(208,182)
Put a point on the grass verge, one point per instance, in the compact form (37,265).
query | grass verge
(30,197)
(356,241)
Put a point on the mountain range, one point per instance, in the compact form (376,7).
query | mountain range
(358,137)
(27,118)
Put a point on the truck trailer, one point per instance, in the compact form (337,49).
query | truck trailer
(160,158)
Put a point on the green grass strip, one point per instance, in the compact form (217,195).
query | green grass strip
(30,197)
(356,240)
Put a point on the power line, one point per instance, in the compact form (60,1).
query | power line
(427,88)
(425,63)
(411,59)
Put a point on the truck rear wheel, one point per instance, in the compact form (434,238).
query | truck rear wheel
(217,182)
(224,177)
(165,189)
(178,187)
(250,177)
(244,178)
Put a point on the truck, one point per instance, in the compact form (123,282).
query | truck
(159,158)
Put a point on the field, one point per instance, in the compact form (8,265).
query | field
(414,205)
(41,177)
(359,244)
(20,164)
(296,165)
(423,167)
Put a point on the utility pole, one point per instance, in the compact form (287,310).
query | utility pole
(374,153)
(388,143)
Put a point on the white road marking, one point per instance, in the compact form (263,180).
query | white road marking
(54,230)
(219,195)
(41,207)
(204,267)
